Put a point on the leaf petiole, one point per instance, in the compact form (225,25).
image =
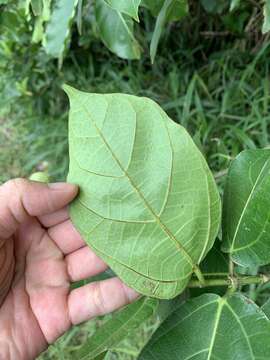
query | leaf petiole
(229,281)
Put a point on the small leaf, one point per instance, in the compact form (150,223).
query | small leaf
(79,16)
(153,5)
(58,27)
(46,13)
(129,7)
(171,10)
(116,31)
(211,327)
(246,210)
(266,13)
(214,6)
(148,204)
(175,12)
(38,30)
(234,4)
(117,328)
(37,7)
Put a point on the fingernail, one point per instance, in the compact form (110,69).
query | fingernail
(62,186)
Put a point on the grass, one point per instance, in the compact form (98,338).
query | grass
(220,93)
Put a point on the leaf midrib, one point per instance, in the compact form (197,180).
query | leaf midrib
(160,223)
(96,351)
(217,320)
(246,205)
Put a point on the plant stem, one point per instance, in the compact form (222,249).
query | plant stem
(229,281)
(231,267)
(199,274)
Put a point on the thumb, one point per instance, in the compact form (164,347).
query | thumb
(21,198)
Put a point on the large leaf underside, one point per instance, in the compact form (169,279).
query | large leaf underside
(148,204)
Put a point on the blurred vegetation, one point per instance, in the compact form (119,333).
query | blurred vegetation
(210,74)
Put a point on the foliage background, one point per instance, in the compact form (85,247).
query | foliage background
(211,74)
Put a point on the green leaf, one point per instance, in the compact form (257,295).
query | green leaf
(234,4)
(171,10)
(174,13)
(153,5)
(148,204)
(216,263)
(117,328)
(116,31)
(46,13)
(266,13)
(266,308)
(58,27)
(246,211)
(38,30)
(37,7)
(211,327)
(129,7)
(214,6)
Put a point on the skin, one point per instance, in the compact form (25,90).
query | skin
(40,255)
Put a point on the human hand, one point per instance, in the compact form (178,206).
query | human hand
(40,255)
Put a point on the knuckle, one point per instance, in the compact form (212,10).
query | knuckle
(13,190)
(98,299)
(126,297)
(17,185)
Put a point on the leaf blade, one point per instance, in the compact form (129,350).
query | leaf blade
(129,7)
(117,328)
(266,13)
(58,27)
(116,31)
(142,216)
(208,317)
(245,214)
(171,10)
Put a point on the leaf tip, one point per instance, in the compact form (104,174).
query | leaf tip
(69,90)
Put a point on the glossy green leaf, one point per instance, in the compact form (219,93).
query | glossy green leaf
(266,13)
(246,211)
(117,328)
(58,27)
(148,204)
(210,327)
(116,31)
(171,10)
(129,7)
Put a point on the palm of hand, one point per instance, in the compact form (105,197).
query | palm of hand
(48,255)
